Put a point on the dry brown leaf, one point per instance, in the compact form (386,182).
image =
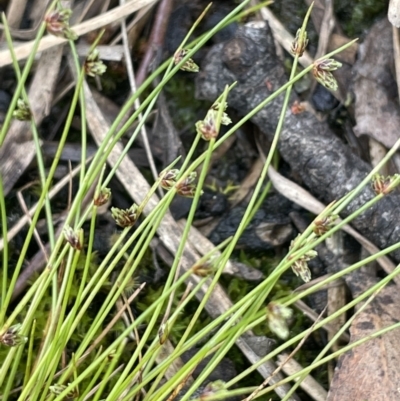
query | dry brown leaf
(376,107)
(248,183)
(371,371)
(18,149)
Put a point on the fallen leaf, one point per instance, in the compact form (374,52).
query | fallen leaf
(376,105)
(370,372)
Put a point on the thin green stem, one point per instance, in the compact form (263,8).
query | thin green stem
(4,282)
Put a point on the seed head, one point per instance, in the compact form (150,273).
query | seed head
(127,217)
(22,112)
(12,338)
(93,65)
(189,65)
(322,72)
(102,197)
(207,128)
(300,268)
(57,23)
(72,237)
(168,178)
(297,107)
(299,43)
(203,269)
(186,187)
(323,225)
(384,185)
(212,389)
(57,389)
(163,333)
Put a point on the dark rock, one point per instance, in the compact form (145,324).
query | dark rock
(270,227)
(323,100)
(327,166)
(5,100)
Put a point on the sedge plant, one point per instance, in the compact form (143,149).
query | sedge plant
(110,360)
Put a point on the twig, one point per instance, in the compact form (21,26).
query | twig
(396,53)
(94,389)
(133,85)
(279,368)
(327,26)
(311,314)
(15,12)
(309,384)
(13,231)
(394,13)
(156,39)
(35,232)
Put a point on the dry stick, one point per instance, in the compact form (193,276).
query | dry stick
(203,246)
(14,230)
(312,315)
(15,12)
(141,14)
(279,368)
(36,16)
(309,384)
(174,366)
(85,11)
(156,39)
(94,389)
(396,51)
(35,232)
(327,26)
(394,13)
(17,151)
(132,83)
(180,386)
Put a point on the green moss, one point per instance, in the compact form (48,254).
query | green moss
(184,109)
(356,16)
